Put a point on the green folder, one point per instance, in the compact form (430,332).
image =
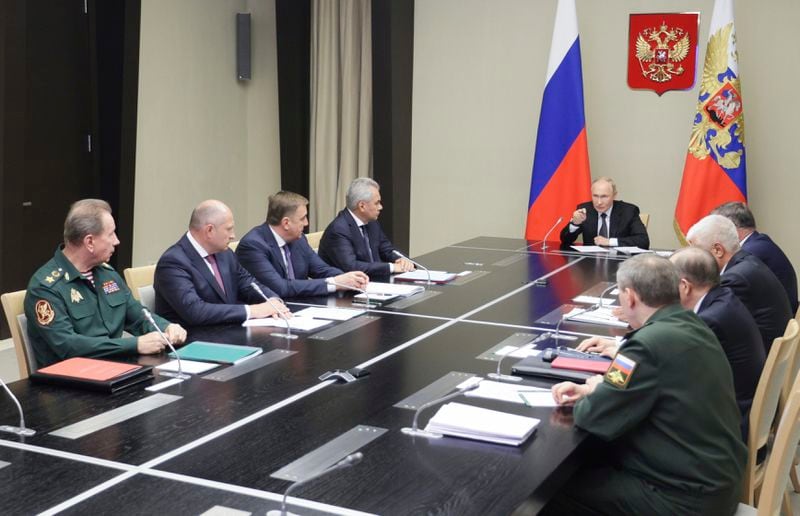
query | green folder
(214,352)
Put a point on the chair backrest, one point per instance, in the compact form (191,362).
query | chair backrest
(645,218)
(791,374)
(137,277)
(314,238)
(765,405)
(782,456)
(147,296)
(14,306)
(233,245)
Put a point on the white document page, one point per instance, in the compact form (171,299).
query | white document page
(333,314)
(420,275)
(591,249)
(295,323)
(501,391)
(189,366)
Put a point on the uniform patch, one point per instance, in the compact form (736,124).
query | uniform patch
(44,312)
(620,371)
(110,286)
(75,296)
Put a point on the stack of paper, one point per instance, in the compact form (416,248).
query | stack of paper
(632,250)
(420,275)
(333,314)
(381,292)
(602,316)
(504,391)
(188,366)
(295,323)
(459,420)
(591,249)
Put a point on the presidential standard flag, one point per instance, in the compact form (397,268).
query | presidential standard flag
(714,172)
(560,177)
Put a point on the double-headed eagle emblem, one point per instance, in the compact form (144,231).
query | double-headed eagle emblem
(660,52)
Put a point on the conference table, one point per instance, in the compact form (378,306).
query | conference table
(231,441)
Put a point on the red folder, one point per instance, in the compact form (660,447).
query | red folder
(581,364)
(90,373)
(89,369)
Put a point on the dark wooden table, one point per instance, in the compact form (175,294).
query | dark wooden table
(219,442)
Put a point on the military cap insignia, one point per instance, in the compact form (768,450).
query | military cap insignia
(110,286)
(620,371)
(44,312)
(75,296)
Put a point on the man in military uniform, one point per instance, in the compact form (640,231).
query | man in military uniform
(665,409)
(77,304)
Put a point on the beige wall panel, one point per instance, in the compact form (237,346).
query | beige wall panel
(201,132)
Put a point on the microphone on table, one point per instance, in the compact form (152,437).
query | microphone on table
(606,291)
(509,377)
(350,460)
(21,429)
(149,317)
(349,287)
(415,430)
(401,255)
(590,308)
(288,334)
(546,235)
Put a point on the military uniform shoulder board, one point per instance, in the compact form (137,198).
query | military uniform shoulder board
(620,371)
(52,277)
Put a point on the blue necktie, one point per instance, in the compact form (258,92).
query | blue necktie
(366,242)
(289,267)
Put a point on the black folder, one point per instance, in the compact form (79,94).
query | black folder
(535,366)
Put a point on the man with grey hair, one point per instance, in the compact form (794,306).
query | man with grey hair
(761,246)
(199,280)
(78,306)
(747,276)
(727,317)
(354,241)
(606,221)
(666,401)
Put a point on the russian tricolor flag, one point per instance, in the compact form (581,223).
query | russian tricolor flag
(715,168)
(560,178)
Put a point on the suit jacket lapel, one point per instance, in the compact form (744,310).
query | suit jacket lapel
(277,255)
(361,252)
(616,220)
(201,265)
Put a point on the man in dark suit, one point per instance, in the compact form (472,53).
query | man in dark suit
(354,241)
(761,246)
(199,280)
(278,255)
(606,221)
(727,317)
(752,281)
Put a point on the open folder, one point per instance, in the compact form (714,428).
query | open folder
(480,424)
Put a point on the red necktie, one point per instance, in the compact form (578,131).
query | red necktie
(213,261)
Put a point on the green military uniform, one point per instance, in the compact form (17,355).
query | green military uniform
(67,317)
(668,410)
